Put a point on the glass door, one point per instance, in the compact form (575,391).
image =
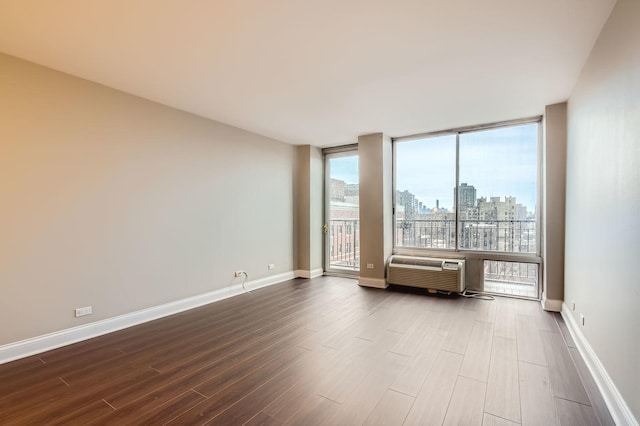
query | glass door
(342,213)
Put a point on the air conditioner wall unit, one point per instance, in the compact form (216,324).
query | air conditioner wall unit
(427,272)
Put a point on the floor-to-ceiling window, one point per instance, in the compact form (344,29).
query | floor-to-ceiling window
(342,213)
(473,190)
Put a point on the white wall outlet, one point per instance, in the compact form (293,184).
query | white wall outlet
(239,273)
(573,305)
(369,265)
(80,312)
(271,266)
(581,319)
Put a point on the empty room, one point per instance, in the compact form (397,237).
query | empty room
(316,212)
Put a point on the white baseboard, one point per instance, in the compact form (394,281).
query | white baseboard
(314,273)
(551,305)
(372,282)
(39,344)
(618,408)
(270,280)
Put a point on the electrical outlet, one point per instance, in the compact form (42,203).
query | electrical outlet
(239,273)
(80,312)
(582,319)
(369,265)
(271,266)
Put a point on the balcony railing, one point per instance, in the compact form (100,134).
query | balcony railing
(515,236)
(498,235)
(344,244)
(514,278)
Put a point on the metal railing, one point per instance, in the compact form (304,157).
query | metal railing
(344,244)
(512,272)
(515,236)
(512,278)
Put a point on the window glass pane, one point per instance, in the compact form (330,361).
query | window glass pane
(425,178)
(512,278)
(498,189)
(344,212)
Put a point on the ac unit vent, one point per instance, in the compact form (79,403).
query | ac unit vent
(426,272)
(416,261)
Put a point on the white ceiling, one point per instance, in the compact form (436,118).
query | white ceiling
(319,72)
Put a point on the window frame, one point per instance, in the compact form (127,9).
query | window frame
(331,247)
(472,253)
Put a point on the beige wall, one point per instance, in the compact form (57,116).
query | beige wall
(316,184)
(603,200)
(554,159)
(116,202)
(376,203)
(302,216)
(308,189)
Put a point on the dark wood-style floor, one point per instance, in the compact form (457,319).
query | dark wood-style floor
(321,351)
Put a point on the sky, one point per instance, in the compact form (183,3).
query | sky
(345,168)
(497,162)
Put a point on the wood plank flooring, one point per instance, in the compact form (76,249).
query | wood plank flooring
(321,351)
